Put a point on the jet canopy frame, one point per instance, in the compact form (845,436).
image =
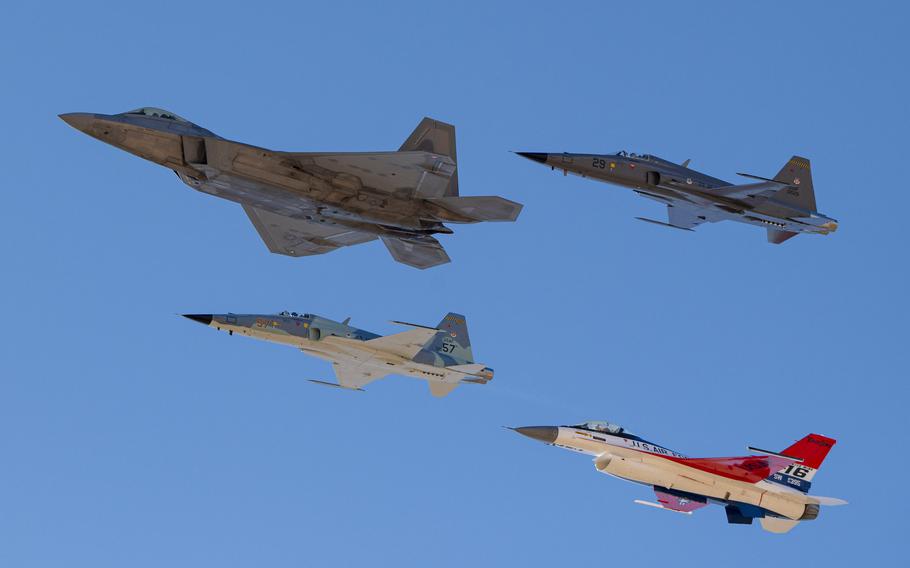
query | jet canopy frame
(645,157)
(155,112)
(600,426)
(286,313)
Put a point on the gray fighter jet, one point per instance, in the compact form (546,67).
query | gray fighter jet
(440,355)
(312,203)
(785,205)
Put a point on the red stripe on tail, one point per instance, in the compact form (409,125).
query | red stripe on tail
(812,450)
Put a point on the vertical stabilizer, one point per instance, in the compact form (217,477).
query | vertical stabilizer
(812,450)
(438,138)
(452,347)
(798,175)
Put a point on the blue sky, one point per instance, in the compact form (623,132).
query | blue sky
(133,437)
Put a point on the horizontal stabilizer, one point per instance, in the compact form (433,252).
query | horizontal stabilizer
(828,501)
(422,252)
(645,219)
(337,386)
(440,389)
(777,526)
(478,208)
(776,236)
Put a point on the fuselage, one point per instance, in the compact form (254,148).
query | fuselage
(669,183)
(632,458)
(294,185)
(340,343)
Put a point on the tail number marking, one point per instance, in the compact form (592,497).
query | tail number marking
(795,470)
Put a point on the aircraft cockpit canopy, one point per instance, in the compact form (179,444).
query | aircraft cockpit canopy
(600,426)
(645,157)
(158,113)
(294,314)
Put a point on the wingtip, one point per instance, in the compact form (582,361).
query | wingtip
(336,385)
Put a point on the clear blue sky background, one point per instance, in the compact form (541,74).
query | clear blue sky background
(132,437)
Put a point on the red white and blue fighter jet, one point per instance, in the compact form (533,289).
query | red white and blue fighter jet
(770,486)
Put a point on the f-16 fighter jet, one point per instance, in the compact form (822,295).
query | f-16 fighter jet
(440,355)
(785,205)
(312,203)
(772,487)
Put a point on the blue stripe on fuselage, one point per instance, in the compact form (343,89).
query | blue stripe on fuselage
(790,481)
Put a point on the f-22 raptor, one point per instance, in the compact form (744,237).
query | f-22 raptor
(440,355)
(772,487)
(784,205)
(312,203)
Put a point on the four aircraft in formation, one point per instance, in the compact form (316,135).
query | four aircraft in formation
(306,204)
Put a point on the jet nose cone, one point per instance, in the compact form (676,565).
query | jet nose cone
(78,120)
(545,434)
(204,319)
(536,156)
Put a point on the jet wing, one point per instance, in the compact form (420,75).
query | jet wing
(355,376)
(685,216)
(405,344)
(750,469)
(760,189)
(299,237)
(419,252)
(425,174)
